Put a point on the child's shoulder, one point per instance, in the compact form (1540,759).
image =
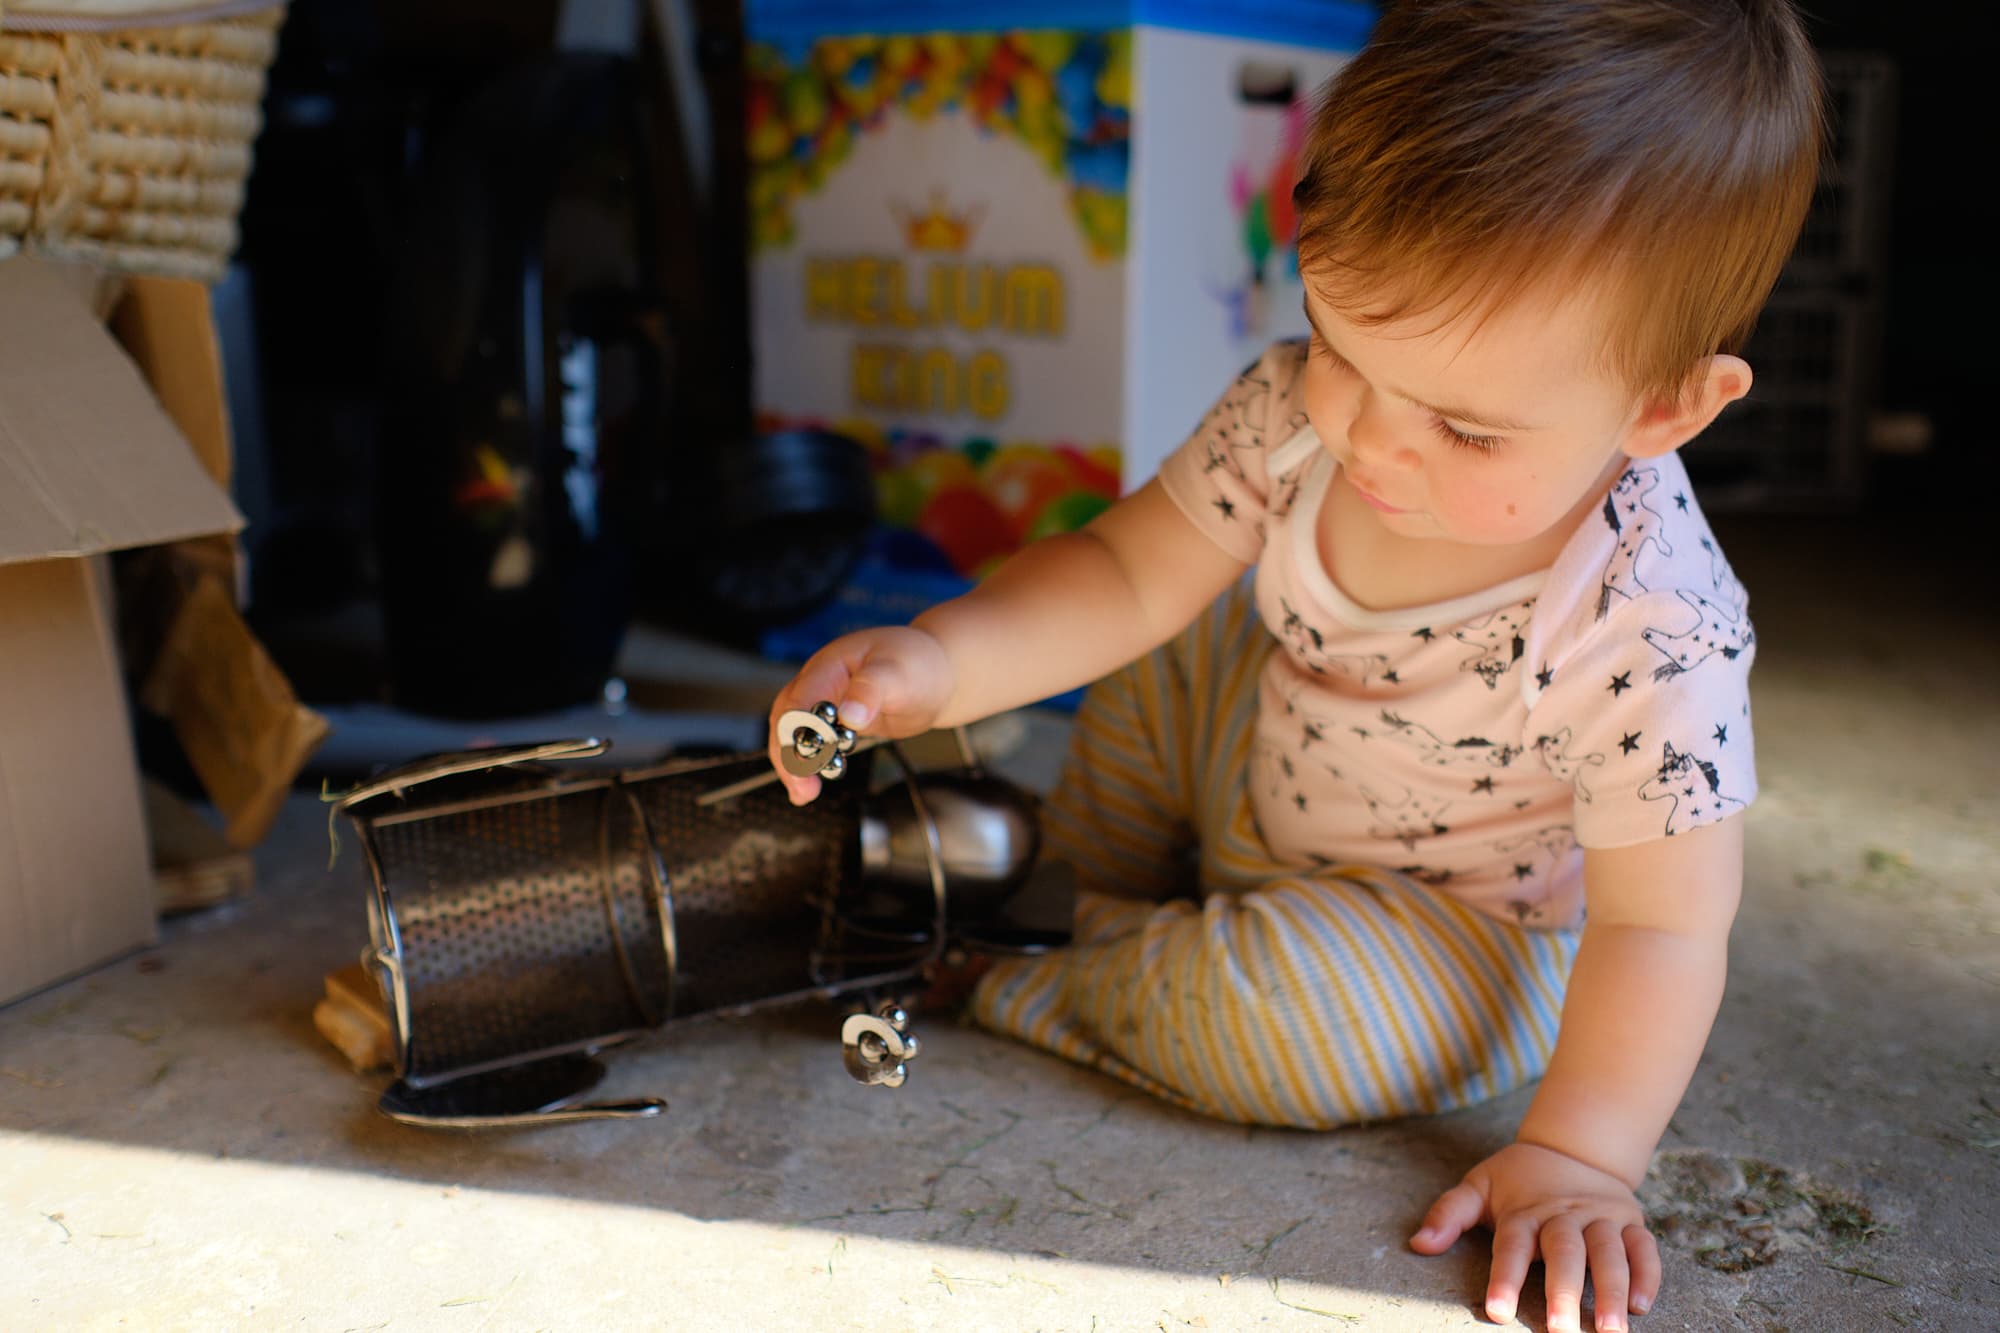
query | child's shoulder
(1274,376)
(1262,409)
(1644,565)
(1278,367)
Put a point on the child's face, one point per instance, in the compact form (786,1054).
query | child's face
(1488,432)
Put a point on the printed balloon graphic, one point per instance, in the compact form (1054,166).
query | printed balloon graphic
(967,527)
(1022,483)
(1096,471)
(1067,513)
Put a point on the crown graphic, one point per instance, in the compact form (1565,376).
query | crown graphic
(937,229)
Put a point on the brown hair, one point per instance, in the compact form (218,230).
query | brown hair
(1475,148)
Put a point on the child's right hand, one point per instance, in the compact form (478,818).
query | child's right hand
(885,682)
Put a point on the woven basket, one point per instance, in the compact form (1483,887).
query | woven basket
(125,138)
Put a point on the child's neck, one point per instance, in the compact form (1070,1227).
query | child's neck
(1380,570)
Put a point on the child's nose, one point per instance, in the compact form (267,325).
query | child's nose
(1374,443)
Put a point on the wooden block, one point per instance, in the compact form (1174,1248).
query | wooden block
(354,1019)
(193,864)
(243,729)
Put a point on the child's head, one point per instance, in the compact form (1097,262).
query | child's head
(1630,174)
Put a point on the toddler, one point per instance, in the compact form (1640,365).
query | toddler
(1413,768)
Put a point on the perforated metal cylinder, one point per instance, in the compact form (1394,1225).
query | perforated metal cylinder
(753,882)
(519,915)
(522,924)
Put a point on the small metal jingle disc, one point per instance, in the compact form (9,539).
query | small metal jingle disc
(540,1093)
(875,1046)
(815,744)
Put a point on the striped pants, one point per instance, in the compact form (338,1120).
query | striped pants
(1218,978)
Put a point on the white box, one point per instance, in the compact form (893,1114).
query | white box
(1020,260)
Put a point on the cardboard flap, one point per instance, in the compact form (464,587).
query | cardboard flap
(89,461)
(164,326)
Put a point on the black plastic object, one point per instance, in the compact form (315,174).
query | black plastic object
(540,1093)
(527,370)
(784,519)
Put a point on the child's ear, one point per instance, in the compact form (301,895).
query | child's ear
(1664,427)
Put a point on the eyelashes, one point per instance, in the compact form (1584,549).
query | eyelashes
(1458,439)
(1444,430)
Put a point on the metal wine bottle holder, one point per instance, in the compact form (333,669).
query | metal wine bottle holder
(526,914)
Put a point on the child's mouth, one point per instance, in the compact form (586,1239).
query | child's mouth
(1372,501)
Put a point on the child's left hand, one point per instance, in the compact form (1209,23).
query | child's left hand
(1542,1204)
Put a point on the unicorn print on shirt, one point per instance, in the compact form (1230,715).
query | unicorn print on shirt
(1693,785)
(1638,526)
(1473,751)
(1408,820)
(1498,642)
(1554,751)
(1716,629)
(1308,646)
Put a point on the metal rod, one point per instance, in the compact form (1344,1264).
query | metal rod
(750,784)
(548,792)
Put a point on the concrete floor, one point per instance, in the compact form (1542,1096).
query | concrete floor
(179,1149)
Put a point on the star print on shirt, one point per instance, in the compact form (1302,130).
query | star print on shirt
(1721,734)
(1545,677)
(1227,507)
(1521,871)
(1299,799)
(1680,499)
(1631,741)
(1423,634)
(1484,785)
(1620,683)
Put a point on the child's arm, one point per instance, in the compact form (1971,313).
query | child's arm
(1647,982)
(1059,614)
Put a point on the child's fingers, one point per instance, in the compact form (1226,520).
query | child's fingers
(1610,1276)
(825,675)
(877,688)
(1456,1211)
(1563,1261)
(1644,1255)
(1513,1251)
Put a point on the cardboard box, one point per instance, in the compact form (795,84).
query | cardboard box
(89,463)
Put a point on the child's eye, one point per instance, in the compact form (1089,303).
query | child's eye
(1458,439)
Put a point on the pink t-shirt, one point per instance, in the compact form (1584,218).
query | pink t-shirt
(1479,744)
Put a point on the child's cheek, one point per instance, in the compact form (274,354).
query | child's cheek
(1489,504)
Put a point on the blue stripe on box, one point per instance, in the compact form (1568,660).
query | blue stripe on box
(1335,25)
